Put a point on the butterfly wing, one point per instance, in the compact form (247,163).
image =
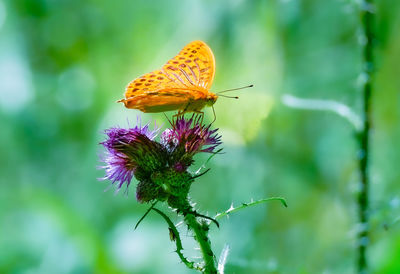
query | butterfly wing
(159,101)
(193,67)
(186,77)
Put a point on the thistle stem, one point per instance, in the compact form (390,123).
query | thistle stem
(366,14)
(200,231)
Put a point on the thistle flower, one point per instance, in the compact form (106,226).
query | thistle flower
(123,153)
(194,136)
(188,137)
(160,167)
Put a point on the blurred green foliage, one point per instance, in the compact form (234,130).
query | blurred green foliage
(63,64)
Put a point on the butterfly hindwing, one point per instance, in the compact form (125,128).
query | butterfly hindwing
(160,101)
(152,81)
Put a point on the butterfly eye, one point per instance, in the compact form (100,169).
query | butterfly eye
(211,100)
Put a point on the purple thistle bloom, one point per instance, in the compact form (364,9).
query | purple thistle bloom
(118,169)
(169,139)
(186,138)
(120,165)
(126,136)
(160,167)
(193,136)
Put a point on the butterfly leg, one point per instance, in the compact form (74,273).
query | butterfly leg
(201,114)
(180,113)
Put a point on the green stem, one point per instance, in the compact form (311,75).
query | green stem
(366,14)
(201,236)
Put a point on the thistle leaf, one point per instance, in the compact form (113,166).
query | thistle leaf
(233,209)
(177,240)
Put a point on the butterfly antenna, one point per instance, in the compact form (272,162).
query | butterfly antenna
(249,86)
(232,97)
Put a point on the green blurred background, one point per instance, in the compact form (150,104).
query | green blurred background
(63,64)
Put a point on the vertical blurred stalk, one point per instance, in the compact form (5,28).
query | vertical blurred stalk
(366,13)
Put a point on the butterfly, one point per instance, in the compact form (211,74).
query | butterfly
(182,84)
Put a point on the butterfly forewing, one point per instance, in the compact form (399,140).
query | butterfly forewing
(194,66)
(184,78)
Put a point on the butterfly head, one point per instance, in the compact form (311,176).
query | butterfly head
(211,99)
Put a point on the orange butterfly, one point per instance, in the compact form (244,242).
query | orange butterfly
(182,84)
